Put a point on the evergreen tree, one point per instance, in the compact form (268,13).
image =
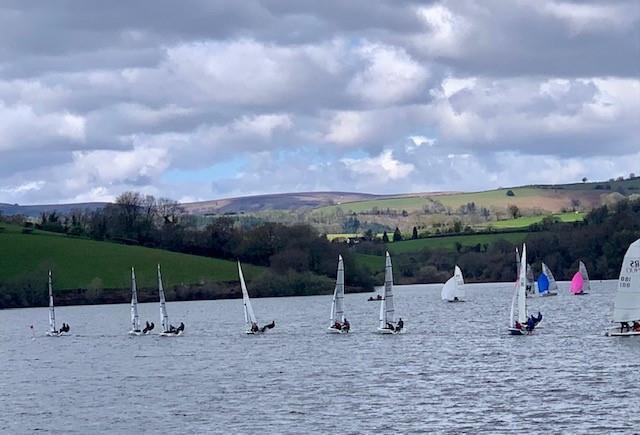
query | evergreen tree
(385,237)
(397,235)
(415,233)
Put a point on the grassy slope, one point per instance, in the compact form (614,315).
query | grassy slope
(76,262)
(526,221)
(549,198)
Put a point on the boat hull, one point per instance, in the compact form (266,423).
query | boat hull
(580,294)
(136,333)
(331,330)
(516,331)
(544,295)
(171,334)
(56,334)
(386,331)
(454,301)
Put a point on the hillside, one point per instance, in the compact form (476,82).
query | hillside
(37,210)
(81,263)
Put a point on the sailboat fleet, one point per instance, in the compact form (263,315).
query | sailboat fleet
(626,304)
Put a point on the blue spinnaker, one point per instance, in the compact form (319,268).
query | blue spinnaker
(543,283)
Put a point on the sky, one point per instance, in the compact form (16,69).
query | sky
(197,100)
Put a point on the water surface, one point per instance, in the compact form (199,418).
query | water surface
(454,370)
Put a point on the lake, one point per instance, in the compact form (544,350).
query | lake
(455,370)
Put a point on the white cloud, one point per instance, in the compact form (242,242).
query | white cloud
(382,168)
(590,18)
(390,75)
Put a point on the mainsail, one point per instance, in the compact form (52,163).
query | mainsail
(135,319)
(386,304)
(626,306)
(454,287)
(577,283)
(249,316)
(519,297)
(52,311)
(543,284)
(553,286)
(586,287)
(337,304)
(164,317)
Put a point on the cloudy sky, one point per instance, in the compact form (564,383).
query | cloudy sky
(207,99)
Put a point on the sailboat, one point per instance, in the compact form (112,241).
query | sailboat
(387,312)
(531,291)
(519,301)
(53,332)
(453,289)
(249,315)
(135,318)
(337,319)
(547,285)
(168,330)
(580,284)
(626,306)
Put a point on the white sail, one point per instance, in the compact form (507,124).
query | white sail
(522,288)
(626,306)
(164,317)
(517,263)
(449,289)
(553,285)
(387,311)
(586,287)
(513,306)
(337,304)
(135,319)
(453,289)
(52,311)
(249,316)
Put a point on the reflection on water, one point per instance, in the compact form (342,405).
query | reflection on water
(454,370)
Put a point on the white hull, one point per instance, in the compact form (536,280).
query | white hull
(56,334)
(515,331)
(544,295)
(331,330)
(136,333)
(252,332)
(615,332)
(453,300)
(171,334)
(385,331)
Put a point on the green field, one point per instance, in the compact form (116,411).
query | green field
(76,263)
(526,221)
(449,242)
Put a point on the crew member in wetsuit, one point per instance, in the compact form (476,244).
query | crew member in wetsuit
(400,325)
(530,324)
(148,327)
(180,327)
(254,327)
(390,326)
(518,325)
(346,325)
(172,329)
(337,325)
(624,325)
(268,326)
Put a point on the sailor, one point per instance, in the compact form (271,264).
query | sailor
(180,327)
(337,325)
(624,325)
(254,327)
(346,325)
(518,325)
(390,326)
(455,299)
(172,329)
(636,326)
(531,324)
(268,326)
(400,325)
(148,327)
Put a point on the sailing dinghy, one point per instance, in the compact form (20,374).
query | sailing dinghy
(626,306)
(135,318)
(249,315)
(547,285)
(453,289)
(519,301)
(337,321)
(53,332)
(168,330)
(387,312)
(580,284)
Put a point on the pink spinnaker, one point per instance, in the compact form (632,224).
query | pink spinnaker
(576,283)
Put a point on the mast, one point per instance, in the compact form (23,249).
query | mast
(164,317)
(135,319)
(387,311)
(249,315)
(337,304)
(52,311)
(522,287)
